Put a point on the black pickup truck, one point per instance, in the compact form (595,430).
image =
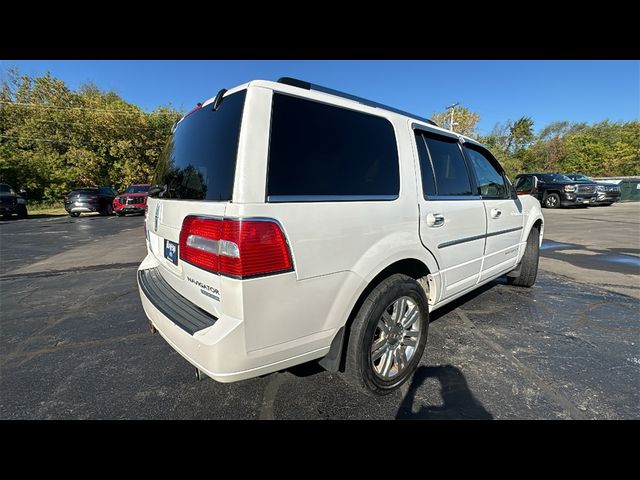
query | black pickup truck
(607,193)
(555,190)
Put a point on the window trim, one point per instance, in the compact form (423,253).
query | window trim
(472,183)
(328,198)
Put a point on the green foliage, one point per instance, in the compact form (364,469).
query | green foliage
(603,149)
(466,120)
(53,139)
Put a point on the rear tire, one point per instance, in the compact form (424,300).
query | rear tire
(529,263)
(552,200)
(22,212)
(108,210)
(395,318)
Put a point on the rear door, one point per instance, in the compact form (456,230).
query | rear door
(504,212)
(195,176)
(452,218)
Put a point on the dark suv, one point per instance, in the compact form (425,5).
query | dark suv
(11,203)
(607,193)
(90,199)
(555,190)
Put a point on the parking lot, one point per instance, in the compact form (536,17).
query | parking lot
(75,344)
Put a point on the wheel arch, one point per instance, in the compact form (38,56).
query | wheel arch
(415,268)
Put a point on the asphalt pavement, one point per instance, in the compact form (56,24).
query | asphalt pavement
(74,340)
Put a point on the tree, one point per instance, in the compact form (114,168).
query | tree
(53,139)
(465,119)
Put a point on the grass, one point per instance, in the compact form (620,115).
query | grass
(45,208)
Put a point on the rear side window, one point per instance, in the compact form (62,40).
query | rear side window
(452,177)
(428,182)
(199,160)
(325,152)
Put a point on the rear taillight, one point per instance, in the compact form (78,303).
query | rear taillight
(235,247)
(93,197)
(66,197)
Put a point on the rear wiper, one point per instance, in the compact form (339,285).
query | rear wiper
(218,100)
(157,190)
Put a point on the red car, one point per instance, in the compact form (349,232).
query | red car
(133,200)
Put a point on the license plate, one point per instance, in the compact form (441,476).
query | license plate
(171,251)
(585,201)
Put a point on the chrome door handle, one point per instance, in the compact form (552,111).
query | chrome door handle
(435,220)
(495,213)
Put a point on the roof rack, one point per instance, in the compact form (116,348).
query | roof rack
(294,82)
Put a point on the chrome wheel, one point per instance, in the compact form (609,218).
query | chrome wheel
(395,338)
(552,201)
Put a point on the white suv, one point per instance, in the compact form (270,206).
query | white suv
(290,222)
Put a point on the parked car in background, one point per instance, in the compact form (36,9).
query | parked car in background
(555,190)
(132,200)
(607,193)
(90,199)
(12,203)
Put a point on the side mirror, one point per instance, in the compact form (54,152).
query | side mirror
(22,192)
(529,188)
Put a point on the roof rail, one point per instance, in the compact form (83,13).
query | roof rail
(294,82)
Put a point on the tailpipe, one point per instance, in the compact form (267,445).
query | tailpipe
(200,375)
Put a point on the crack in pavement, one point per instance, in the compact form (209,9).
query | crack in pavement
(53,273)
(527,372)
(26,356)
(270,392)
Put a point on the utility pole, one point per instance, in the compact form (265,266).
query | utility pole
(452,108)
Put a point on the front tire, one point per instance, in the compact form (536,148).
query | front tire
(74,214)
(529,264)
(388,336)
(552,200)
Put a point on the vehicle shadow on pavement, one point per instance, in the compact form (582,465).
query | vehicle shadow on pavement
(459,402)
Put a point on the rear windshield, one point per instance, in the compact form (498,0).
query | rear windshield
(199,160)
(5,189)
(137,189)
(555,177)
(84,190)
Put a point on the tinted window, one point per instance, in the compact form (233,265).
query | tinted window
(137,189)
(491,183)
(452,177)
(107,191)
(428,182)
(84,190)
(6,189)
(555,177)
(199,160)
(322,150)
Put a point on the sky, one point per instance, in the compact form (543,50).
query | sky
(499,90)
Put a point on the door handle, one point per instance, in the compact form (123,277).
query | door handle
(435,220)
(495,213)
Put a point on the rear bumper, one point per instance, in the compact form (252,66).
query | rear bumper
(8,210)
(219,349)
(83,207)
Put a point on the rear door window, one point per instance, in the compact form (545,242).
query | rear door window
(451,174)
(323,152)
